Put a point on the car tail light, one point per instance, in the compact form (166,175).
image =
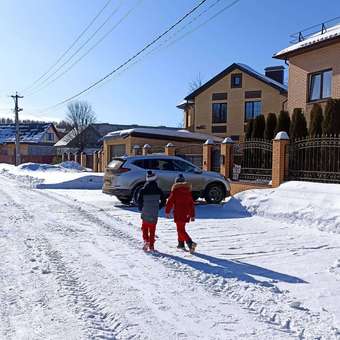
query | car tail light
(122,170)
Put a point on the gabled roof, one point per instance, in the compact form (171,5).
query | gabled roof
(317,40)
(102,129)
(31,133)
(162,133)
(244,68)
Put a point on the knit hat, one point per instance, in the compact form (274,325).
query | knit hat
(180,179)
(150,176)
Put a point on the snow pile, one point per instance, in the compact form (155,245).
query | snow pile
(66,175)
(65,166)
(303,203)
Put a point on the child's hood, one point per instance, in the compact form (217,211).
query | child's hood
(183,186)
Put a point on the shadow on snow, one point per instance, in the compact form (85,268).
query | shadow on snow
(229,269)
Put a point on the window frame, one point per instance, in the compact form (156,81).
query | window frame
(232,80)
(213,115)
(245,109)
(310,77)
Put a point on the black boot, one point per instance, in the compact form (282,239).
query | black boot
(181,245)
(192,246)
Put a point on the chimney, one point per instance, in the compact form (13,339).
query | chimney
(275,72)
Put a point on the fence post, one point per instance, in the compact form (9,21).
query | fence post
(279,163)
(83,159)
(103,158)
(146,149)
(207,153)
(69,156)
(170,149)
(76,157)
(227,158)
(136,150)
(63,157)
(95,162)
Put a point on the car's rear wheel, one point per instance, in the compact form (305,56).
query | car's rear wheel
(135,194)
(124,200)
(214,194)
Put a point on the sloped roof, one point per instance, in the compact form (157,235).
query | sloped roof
(244,68)
(31,133)
(316,40)
(102,129)
(165,133)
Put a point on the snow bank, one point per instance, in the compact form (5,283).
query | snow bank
(303,203)
(66,175)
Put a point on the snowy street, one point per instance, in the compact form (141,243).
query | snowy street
(72,267)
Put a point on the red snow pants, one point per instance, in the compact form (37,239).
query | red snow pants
(149,230)
(183,236)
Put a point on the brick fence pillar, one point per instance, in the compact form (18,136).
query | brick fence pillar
(104,161)
(76,157)
(63,157)
(170,149)
(136,150)
(207,154)
(69,156)
(95,161)
(146,149)
(227,158)
(279,164)
(83,159)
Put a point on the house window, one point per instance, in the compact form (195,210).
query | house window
(118,150)
(236,80)
(219,112)
(320,85)
(219,129)
(50,136)
(252,109)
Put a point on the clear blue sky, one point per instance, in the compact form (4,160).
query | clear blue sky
(34,33)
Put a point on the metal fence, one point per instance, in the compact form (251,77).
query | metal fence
(255,158)
(315,159)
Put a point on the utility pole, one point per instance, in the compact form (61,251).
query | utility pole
(17,136)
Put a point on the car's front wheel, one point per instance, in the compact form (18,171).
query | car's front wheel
(215,193)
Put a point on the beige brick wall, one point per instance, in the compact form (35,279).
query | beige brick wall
(271,102)
(302,65)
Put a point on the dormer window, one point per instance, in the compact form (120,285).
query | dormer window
(236,80)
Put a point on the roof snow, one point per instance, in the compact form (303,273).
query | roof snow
(314,39)
(29,133)
(162,132)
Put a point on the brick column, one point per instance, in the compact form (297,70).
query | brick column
(104,161)
(207,152)
(227,157)
(69,156)
(170,149)
(146,149)
(136,150)
(95,161)
(83,159)
(63,157)
(76,156)
(279,166)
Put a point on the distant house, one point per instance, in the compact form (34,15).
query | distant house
(36,142)
(314,68)
(90,139)
(226,102)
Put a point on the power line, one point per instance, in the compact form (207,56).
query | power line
(71,46)
(107,33)
(154,41)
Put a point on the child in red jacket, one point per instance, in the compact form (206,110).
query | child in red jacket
(181,202)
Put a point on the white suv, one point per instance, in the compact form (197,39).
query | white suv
(125,176)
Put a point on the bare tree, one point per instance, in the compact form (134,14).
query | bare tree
(80,115)
(196,83)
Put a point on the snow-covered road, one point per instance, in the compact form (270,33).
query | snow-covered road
(71,267)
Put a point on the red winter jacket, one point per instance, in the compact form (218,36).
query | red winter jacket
(181,201)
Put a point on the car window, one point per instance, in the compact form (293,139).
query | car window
(184,166)
(166,165)
(115,164)
(141,163)
(152,164)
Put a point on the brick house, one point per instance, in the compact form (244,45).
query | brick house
(223,105)
(314,68)
(36,142)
